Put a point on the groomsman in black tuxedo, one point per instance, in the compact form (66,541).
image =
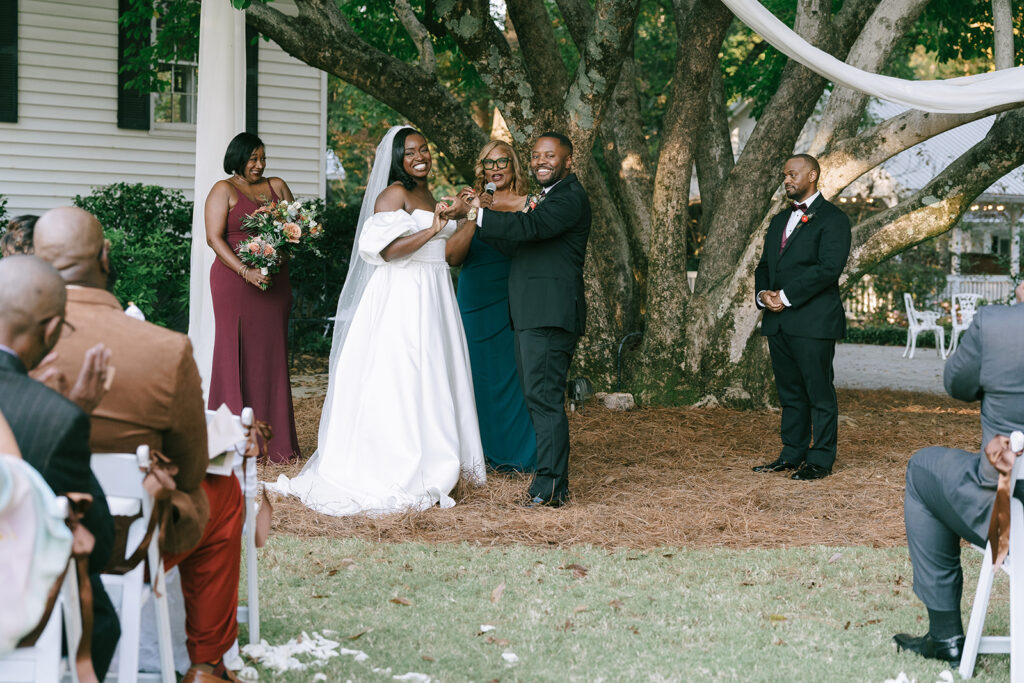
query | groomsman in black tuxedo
(797,285)
(546,247)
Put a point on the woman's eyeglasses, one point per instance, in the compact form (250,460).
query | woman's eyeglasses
(491,164)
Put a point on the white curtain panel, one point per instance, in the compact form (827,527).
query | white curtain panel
(220,116)
(962,95)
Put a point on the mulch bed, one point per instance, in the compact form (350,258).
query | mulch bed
(680,477)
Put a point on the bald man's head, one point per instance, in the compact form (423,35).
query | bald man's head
(72,240)
(32,300)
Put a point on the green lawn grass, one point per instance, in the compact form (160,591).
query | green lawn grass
(801,614)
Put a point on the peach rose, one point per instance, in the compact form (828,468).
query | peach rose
(254,248)
(268,250)
(262,209)
(292,232)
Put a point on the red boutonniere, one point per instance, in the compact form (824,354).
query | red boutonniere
(806,217)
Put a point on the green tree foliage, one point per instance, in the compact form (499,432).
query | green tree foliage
(149,228)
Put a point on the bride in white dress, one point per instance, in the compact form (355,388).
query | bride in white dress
(399,423)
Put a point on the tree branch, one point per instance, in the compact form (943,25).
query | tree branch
(601,58)
(525,111)
(321,37)
(851,158)
(543,61)
(938,206)
(714,150)
(888,23)
(419,34)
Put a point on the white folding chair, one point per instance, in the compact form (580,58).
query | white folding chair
(245,471)
(1013,565)
(43,662)
(921,321)
(964,307)
(120,477)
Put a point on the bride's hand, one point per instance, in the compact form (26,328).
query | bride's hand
(440,217)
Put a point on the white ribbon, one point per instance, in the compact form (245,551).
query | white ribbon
(963,95)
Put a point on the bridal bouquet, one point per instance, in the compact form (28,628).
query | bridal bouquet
(277,228)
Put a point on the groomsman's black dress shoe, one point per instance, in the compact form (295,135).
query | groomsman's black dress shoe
(778,465)
(810,471)
(537,502)
(948,650)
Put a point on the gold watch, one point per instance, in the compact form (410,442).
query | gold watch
(471,214)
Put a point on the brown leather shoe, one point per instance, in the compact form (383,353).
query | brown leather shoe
(202,675)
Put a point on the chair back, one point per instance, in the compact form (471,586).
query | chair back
(966,305)
(908,302)
(120,476)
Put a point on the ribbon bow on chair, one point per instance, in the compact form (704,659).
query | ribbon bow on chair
(1002,452)
(82,543)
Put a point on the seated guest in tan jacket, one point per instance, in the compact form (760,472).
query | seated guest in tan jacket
(155,398)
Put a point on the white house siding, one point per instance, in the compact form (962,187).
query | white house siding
(66,140)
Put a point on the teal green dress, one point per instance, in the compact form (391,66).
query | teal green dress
(505,428)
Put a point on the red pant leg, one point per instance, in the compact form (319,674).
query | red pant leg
(209,573)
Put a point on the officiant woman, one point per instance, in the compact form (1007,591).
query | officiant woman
(250,352)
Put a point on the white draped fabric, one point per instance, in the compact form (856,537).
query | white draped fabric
(962,95)
(220,116)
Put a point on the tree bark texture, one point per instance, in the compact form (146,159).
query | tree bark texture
(703,347)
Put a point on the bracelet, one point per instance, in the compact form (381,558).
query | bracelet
(243,271)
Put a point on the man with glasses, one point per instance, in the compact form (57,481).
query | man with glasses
(51,431)
(546,247)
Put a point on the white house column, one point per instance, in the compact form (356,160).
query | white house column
(1015,230)
(220,116)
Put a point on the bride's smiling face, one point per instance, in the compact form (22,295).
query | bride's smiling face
(416,161)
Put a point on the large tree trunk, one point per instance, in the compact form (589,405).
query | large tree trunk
(704,346)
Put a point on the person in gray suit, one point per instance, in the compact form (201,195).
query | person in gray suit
(950,492)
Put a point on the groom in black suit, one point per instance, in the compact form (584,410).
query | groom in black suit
(797,283)
(546,247)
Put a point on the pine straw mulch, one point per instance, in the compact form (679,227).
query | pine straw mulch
(680,477)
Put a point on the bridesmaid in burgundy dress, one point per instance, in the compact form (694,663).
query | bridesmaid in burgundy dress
(250,351)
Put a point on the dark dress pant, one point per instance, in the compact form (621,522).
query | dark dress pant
(543,355)
(805,381)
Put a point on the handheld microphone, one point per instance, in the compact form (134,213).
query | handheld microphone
(489,188)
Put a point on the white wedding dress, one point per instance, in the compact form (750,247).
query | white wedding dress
(402,426)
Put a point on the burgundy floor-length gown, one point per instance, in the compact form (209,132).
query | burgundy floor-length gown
(250,352)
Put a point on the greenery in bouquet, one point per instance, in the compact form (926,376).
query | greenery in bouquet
(287,225)
(261,252)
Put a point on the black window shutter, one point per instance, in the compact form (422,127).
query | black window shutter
(252,80)
(9,61)
(132,105)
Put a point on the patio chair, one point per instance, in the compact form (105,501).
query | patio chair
(120,476)
(1013,565)
(964,306)
(245,471)
(921,321)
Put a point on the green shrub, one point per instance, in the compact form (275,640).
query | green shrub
(888,335)
(3,214)
(150,229)
(316,282)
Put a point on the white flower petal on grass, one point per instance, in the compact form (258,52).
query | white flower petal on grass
(247,673)
(902,678)
(412,676)
(510,657)
(484,628)
(281,658)
(320,677)
(945,677)
(358,654)
(235,663)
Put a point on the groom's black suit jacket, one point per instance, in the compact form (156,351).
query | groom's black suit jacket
(808,270)
(546,248)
